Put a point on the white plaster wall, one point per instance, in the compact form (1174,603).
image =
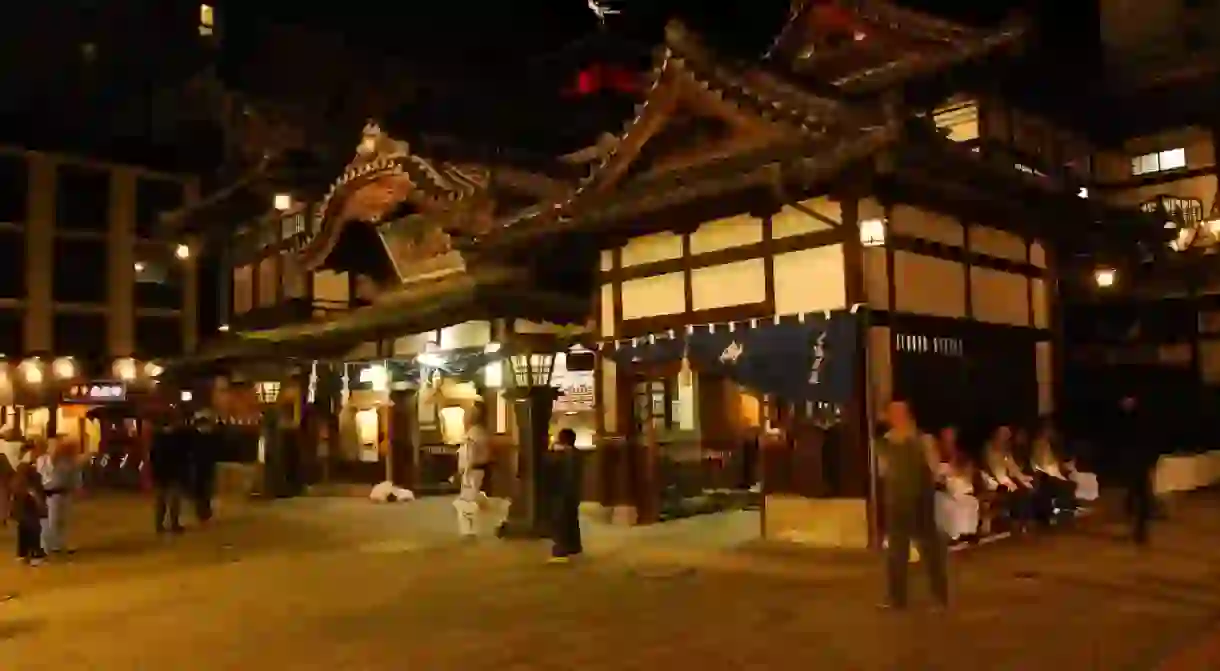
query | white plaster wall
(926,225)
(651,248)
(740,283)
(996,243)
(790,221)
(466,334)
(415,343)
(725,233)
(928,286)
(999,297)
(330,286)
(810,280)
(652,296)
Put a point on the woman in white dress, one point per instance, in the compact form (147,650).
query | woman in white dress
(957,509)
(1056,490)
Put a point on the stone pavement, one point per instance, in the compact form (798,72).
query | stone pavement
(325,585)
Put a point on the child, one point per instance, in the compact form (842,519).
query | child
(28,508)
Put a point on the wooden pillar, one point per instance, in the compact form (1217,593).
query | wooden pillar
(401,467)
(854,464)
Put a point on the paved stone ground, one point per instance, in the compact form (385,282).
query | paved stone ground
(316,584)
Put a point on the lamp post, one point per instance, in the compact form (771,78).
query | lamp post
(274,483)
(533,399)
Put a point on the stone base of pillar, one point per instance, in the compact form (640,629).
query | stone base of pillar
(829,523)
(625,515)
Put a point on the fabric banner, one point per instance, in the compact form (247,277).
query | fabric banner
(810,360)
(647,350)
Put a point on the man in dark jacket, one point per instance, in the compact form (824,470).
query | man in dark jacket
(908,462)
(169,460)
(1139,457)
(563,479)
(203,448)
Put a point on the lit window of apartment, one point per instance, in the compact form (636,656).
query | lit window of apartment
(207,20)
(1159,161)
(959,122)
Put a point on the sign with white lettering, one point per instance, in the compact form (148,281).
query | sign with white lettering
(100,391)
(575,392)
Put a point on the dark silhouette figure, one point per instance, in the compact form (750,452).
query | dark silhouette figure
(169,458)
(563,480)
(1139,457)
(908,460)
(204,447)
(28,506)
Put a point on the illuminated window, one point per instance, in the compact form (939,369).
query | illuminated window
(1159,161)
(207,20)
(960,123)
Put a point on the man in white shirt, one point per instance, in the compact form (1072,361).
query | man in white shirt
(60,479)
(474,462)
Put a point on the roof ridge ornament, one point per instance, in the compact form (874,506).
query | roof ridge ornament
(376,144)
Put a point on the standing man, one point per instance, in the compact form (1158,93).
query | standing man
(563,481)
(168,460)
(908,462)
(1139,458)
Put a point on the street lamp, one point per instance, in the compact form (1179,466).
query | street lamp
(183,252)
(531,369)
(1105,277)
(31,371)
(64,368)
(267,392)
(533,398)
(275,476)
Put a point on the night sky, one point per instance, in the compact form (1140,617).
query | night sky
(469,60)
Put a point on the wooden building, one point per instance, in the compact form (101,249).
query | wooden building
(743,196)
(767,251)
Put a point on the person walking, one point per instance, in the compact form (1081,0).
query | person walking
(203,452)
(168,460)
(563,482)
(908,461)
(28,508)
(474,460)
(1139,457)
(61,478)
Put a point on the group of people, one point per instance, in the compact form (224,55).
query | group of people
(1024,475)
(39,491)
(931,488)
(559,474)
(183,460)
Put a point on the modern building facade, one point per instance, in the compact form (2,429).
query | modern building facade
(1146,323)
(85,272)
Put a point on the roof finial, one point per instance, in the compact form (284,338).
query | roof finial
(601,9)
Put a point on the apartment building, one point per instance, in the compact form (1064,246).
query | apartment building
(82,270)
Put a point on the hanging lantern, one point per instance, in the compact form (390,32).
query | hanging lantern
(685,377)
